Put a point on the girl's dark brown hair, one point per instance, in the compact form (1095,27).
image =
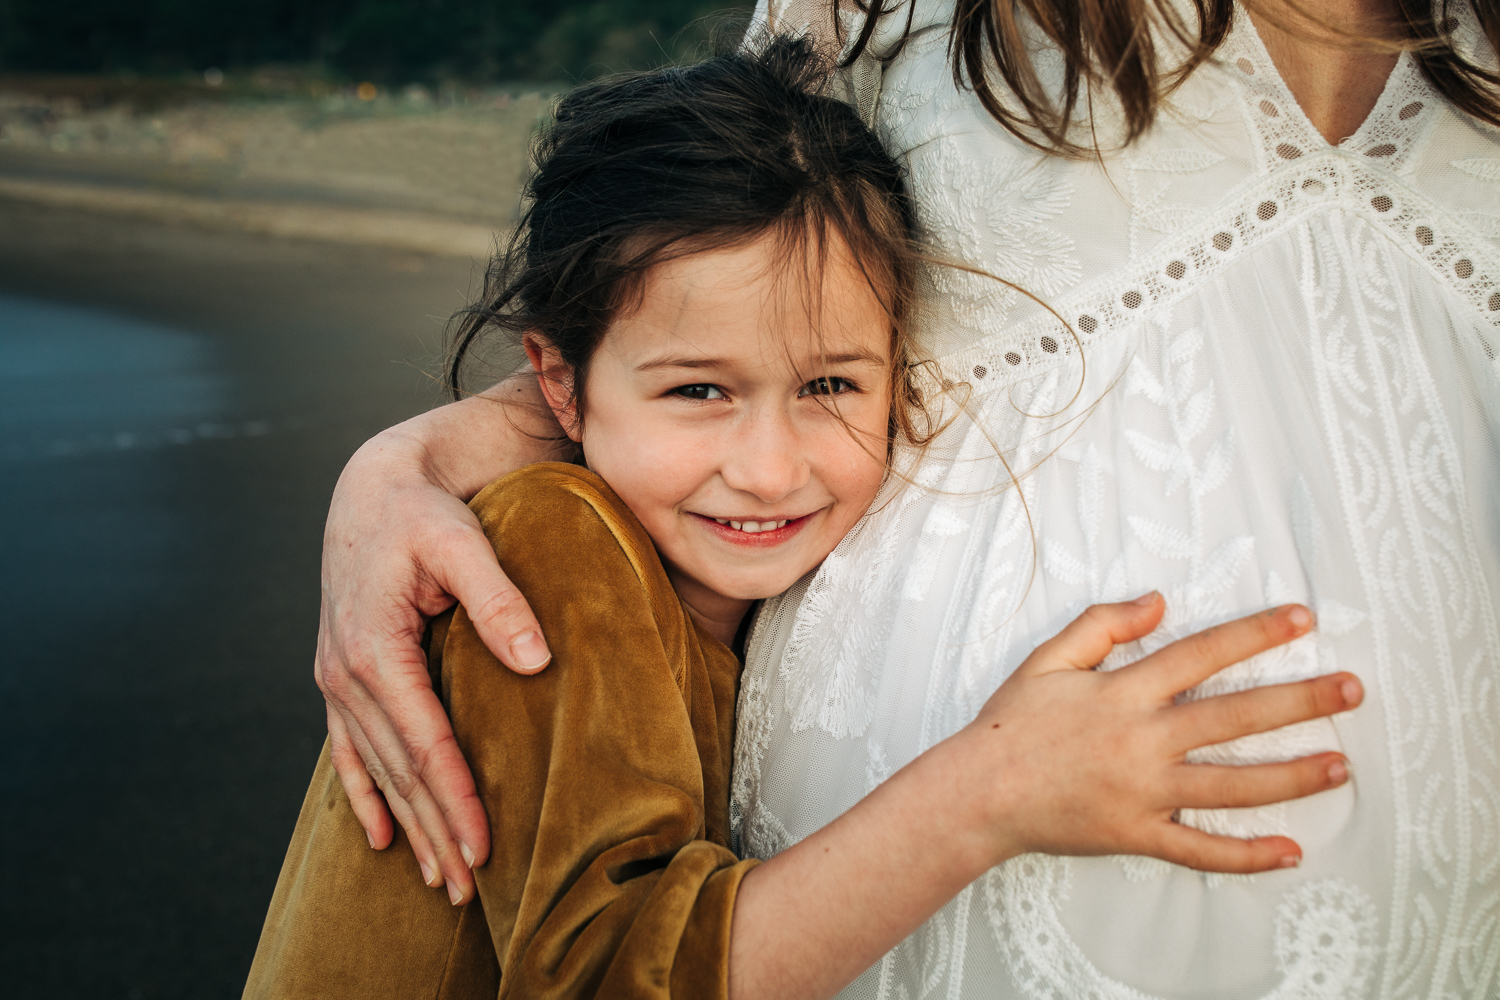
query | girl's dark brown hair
(641,169)
(1114,47)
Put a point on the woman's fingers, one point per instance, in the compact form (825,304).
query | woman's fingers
(421,847)
(1088,638)
(452,871)
(1188,662)
(438,855)
(1212,786)
(1230,716)
(463,564)
(364,798)
(420,778)
(397,549)
(373,672)
(379,773)
(1183,845)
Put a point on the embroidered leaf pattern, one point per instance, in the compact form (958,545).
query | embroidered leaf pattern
(1158,456)
(1482,167)
(1162,539)
(1216,465)
(1064,565)
(1196,413)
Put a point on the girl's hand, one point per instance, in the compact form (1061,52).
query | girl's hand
(1062,759)
(1065,759)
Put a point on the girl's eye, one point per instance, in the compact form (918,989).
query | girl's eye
(699,391)
(829,386)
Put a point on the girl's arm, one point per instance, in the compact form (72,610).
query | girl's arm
(604,781)
(1062,760)
(401,546)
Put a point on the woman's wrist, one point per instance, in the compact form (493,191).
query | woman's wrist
(465,445)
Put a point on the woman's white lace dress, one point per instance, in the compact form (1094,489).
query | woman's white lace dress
(1291,394)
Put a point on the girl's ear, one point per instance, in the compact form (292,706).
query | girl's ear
(555,377)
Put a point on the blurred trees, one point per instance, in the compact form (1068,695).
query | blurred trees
(386,40)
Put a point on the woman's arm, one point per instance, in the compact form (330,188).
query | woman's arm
(401,546)
(611,874)
(1063,760)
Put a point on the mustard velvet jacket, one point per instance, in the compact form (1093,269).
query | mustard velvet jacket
(605,779)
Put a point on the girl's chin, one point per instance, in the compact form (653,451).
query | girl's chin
(758,585)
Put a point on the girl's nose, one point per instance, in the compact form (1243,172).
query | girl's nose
(766,459)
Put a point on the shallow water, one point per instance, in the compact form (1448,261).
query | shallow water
(174,410)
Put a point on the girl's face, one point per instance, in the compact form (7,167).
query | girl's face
(709,410)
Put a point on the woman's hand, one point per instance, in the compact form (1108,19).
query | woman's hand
(1078,761)
(399,547)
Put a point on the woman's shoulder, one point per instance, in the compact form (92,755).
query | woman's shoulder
(563,514)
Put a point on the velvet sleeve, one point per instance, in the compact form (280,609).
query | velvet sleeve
(604,779)
(609,874)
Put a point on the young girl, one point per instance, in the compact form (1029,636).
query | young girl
(713,284)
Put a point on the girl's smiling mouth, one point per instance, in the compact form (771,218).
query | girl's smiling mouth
(760,534)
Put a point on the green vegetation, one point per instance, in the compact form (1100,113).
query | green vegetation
(387,41)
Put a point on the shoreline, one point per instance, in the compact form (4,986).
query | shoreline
(397,174)
(395,230)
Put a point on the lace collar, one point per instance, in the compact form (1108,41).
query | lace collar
(1390,137)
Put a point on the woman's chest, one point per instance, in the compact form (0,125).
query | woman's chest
(1231,165)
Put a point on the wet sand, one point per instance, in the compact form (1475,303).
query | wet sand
(175,406)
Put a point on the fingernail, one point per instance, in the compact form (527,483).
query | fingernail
(1351,691)
(1291,861)
(371,838)
(455,895)
(427,875)
(1146,599)
(1299,616)
(1338,772)
(529,652)
(468,854)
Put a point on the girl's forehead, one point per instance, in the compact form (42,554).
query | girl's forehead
(753,304)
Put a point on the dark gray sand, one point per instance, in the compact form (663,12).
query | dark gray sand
(175,407)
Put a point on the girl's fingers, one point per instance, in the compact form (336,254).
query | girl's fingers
(1210,786)
(1088,639)
(1183,845)
(364,798)
(1230,716)
(1189,662)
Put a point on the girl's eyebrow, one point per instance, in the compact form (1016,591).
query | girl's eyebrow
(685,361)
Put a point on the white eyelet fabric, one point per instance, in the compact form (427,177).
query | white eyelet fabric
(1280,384)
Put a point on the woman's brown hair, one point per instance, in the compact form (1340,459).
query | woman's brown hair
(1115,47)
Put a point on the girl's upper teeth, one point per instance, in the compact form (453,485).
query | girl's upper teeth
(751,526)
